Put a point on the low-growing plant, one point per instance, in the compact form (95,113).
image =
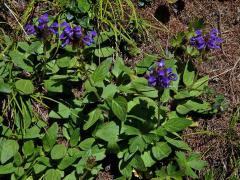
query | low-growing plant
(72,109)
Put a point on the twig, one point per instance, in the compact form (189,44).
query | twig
(230,69)
(16,19)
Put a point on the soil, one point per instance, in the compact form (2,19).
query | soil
(213,137)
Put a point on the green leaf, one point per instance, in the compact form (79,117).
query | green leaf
(177,124)
(66,162)
(119,107)
(18,160)
(19,171)
(129,130)
(93,118)
(104,52)
(7,169)
(178,143)
(70,176)
(52,67)
(5,88)
(137,144)
(63,112)
(33,132)
(28,148)
(104,36)
(143,65)
(36,46)
(109,91)
(9,149)
(119,67)
(38,168)
(199,86)
(165,95)
(182,162)
(50,137)
(178,40)
(161,150)
(138,163)
(52,174)
(87,143)
(125,169)
(83,5)
(147,159)
(7,40)
(58,151)
(201,83)
(23,45)
(24,86)
(20,61)
(102,71)
(108,132)
(53,86)
(193,106)
(44,160)
(97,152)
(75,137)
(188,76)
(195,162)
(141,86)
(63,62)
(182,94)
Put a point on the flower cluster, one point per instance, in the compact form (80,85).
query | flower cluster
(42,26)
(88,39)
(210,41)
(160,76)
(71,34)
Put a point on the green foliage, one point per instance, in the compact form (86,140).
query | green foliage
(67,111)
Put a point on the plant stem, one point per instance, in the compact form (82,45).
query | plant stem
(159,104)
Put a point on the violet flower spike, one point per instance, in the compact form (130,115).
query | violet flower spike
(77,31)
(210,41)
(198,40)
(160,76)
(30,29)
(54,28)
(214,40)
(88,39)
(42,21)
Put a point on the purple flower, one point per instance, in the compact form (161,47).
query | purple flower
(214,40)
(210,41)
(161,63)
(66,36)
(198,41)
(43,19)
(64,24)
(54,28)
(77,31)
(152,80)
(30,29)
(160,76)
(88,39)
(70,35)
(42,22)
